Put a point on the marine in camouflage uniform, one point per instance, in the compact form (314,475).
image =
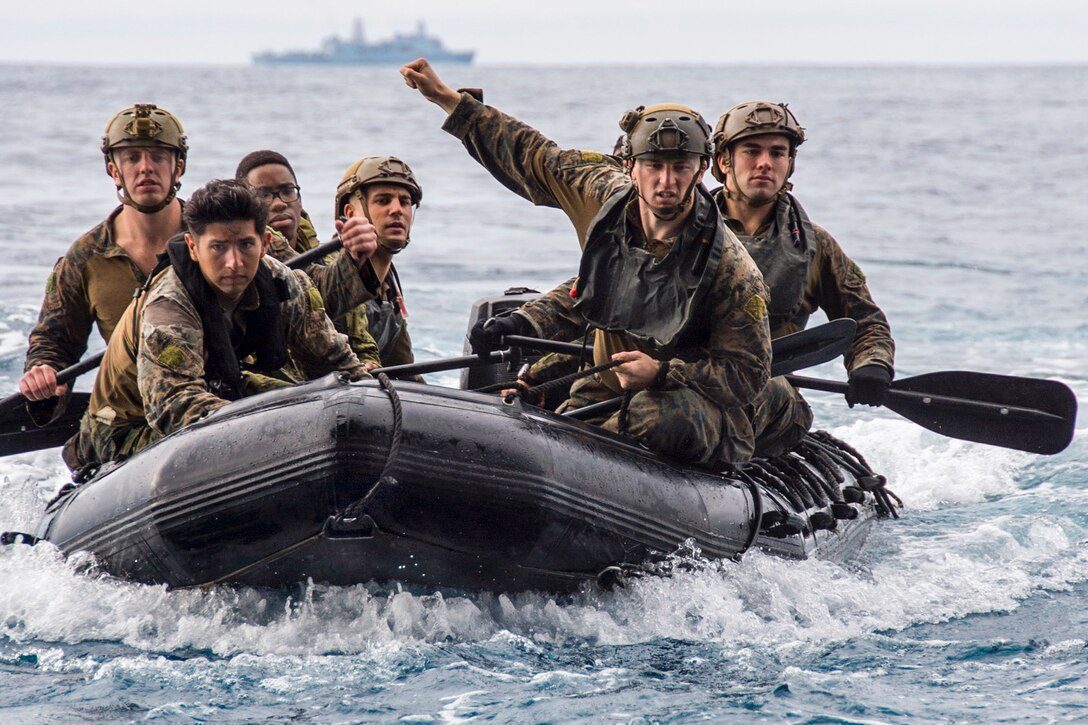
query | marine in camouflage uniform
(95,279)
(712,385)
(166,367)
(802,264)
(384,190)
(344,286)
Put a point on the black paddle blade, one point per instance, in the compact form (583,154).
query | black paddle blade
(813,346)
(20,434)
(1024,414)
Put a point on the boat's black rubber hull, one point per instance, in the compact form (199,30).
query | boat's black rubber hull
(480,495)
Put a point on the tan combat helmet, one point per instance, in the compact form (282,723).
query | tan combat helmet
(755,118)
(372,170)
(145,124)
(664,128)
(377,170)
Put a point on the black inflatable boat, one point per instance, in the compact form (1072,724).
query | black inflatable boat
(351,482)
(347,483)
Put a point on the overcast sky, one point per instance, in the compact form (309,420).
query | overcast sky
(559,31)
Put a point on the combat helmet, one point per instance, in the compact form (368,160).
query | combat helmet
(755,118)
(145,124)
(664,128)
(376,169)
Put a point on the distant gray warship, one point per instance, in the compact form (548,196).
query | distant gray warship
(356,50)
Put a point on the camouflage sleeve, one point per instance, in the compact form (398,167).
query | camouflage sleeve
(170,366)
(336,277)
(340,284)
(306,237)
(534,167)
(553,316)
(64,323)
(837,286)
(313,340)
(359,338)
(736,366)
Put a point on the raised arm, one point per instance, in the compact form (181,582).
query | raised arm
(521,158)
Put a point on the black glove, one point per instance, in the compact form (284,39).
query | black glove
(486,335)
(869,385)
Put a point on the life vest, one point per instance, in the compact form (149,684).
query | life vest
(625,288)
(384,314)
(784,255)
(264,336)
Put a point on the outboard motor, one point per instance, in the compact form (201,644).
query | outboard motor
(483,308)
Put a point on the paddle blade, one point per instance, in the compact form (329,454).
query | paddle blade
(1024,414)
(813,346)
(20,434)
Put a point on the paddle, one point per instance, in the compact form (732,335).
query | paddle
(790,352)
(800,350)
(20,434)
(15,420)
(1024,414)
(449,363)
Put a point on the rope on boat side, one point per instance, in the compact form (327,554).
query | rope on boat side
(352,518)
(811,476)
(353,512)
(760,473)
(757,512)
(845,455)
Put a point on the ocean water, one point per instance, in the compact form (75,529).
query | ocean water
(960,191)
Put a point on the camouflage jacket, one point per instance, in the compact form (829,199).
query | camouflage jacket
(91,284)
(160,378)
(336,277)
(733,364)
(837,286)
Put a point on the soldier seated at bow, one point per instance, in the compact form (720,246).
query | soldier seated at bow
(217,300)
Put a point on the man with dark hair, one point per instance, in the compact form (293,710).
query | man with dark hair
(178,351)
(341,278)
(384,190)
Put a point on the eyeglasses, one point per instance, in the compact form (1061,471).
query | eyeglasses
(287,193)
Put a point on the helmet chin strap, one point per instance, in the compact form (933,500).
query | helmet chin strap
(124,197)
(740,196)
(393,247)
(389,246)
(675,211)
